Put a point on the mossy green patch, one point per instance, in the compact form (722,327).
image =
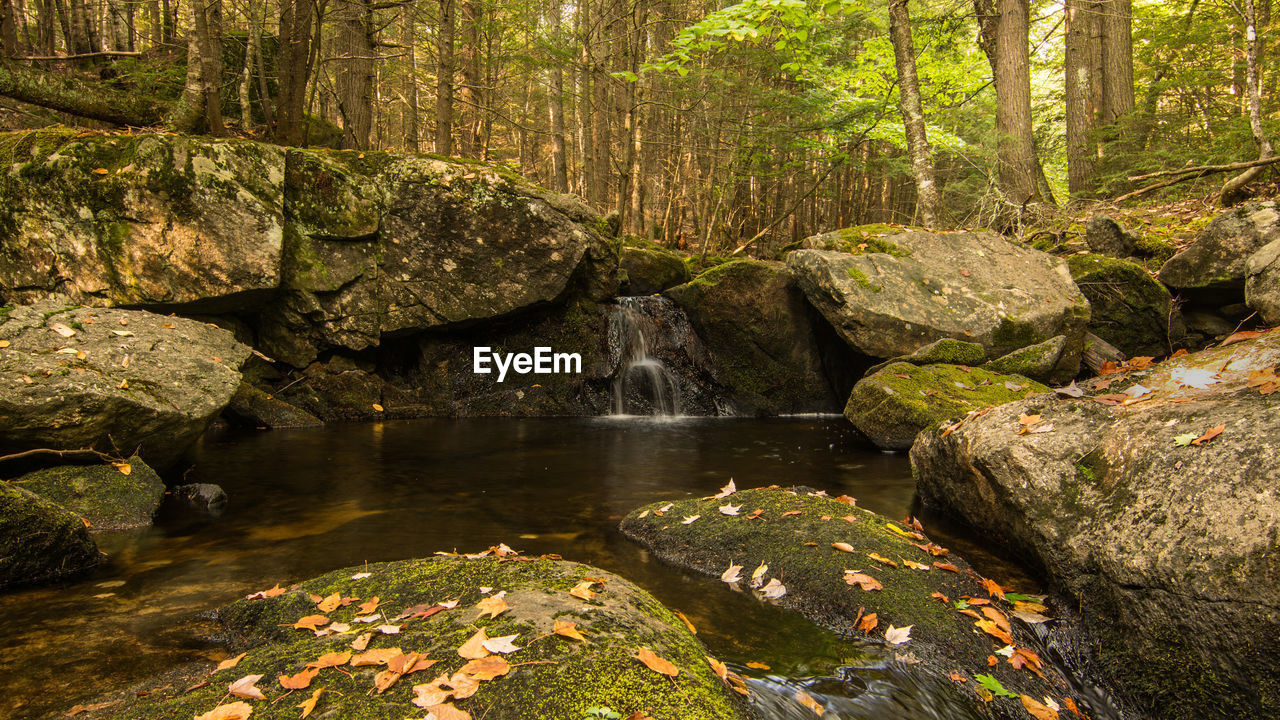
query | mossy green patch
(40,541)
(101,494)
(553,677)
(1130,308)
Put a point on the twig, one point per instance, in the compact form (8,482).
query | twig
(1207,169)
(87,452)
(101,53)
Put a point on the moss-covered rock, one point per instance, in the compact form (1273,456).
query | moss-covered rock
(891,406)
(147,219)
(40,541)
(551,676)
(253,407)
(913,288)
(1040,362)
(651,270)
(795,533)
(73,378)
(1164,539)
(762,337)
(1105,236)
(1131,310)
(946,351)
(102,494)
(1216,262)
(1262,287)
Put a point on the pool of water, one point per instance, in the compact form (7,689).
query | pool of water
(303,502)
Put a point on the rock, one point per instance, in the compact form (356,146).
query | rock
(945,351)
(652,269)
(83,377)
(548,676)
(799,552)
(892,405)
(39,540)
(1040,362)
(1131,310)
(101,494)
(253,407)
(147,219)
(1262,287)
(390,244)
(1105,236)
(762,337)
(913,288)
(1209,323)
(1167,548)
(340,389)
(1217,261)
(203,498)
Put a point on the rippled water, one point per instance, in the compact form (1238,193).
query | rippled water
(303,502)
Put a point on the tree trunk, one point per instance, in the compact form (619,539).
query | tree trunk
(293,67)
(904,55)
(408,38)
(469,89)
(1233,191)
(444,80)
(1015,148)
(208,30)
(1117,64)
(355,75)
(77,97)
(1082,152)
(555,109)
(257,66)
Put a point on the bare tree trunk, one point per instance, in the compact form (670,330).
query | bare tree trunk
(444,80)
(1016,153)
(72,95)
(1233,191)
(1082,152)
(408,38)
(293,66)
(904,54)
(555,109)
(355,76)
(469,88)
(1117,64)
(258,66)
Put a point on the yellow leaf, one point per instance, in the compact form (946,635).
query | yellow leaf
(101,171)
(486,668)
(493,606)
(1038,710)
(583,590)
(377,407)
(330,603)
(656,663)
(473,649)
(686,622)
(310,703)
(807,700)
(568,629)
(721,670)
(882,559)
(230,662)
(231,711)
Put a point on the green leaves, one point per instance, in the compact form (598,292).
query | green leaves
(991,683)
(1185,439)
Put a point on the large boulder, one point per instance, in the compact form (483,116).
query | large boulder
(1131,310)
(1262,287)
(910,289)
(1216,263)
(40,541)
(811,545)
(121,380)
(1163,535)
(1105,236)
(149,219)
(378,245)
(252,406)
(549,655)
(651,270)
(762,337)
(892,405)
(108,497)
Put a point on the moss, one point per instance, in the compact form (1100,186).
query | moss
(1013,333)
(101,494)
(948,351)
(861,279)
(1130,309)
(556,678)
(40,541)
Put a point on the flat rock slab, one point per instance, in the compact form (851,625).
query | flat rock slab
(119,380)
(40,541)
(1152,505)
(106,496)
(148,219)
(796,532)
(530,669)
(911,289)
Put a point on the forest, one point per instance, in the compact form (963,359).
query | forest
(708,126)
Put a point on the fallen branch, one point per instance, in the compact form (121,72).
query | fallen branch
(83,452)
(1207,169)
(81,56)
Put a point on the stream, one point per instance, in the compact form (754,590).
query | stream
(304,502)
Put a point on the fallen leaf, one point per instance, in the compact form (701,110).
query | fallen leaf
(656,663)
(940,597)
(726,491)
(756,665)
(957,677)
(309,704)
(1198,378)
(915,565)
(842,546)
(882,559)
(898,636)
(1209,434)
(688,519)
(866,582)
(377,407)
(244,687)
(868,623)
(311,622)
(301,681)
(474,649)
(757,575)
(486,668)
(1030,617)
(446,711)
(328,660)
(992,684)
(1028,420)
(721,670)
(993,588)
(370,606)
(230,662)
(502,644)
(730,509)
(1238,336)
(361,575)
(807,700)
(432,693)
(231,711)
(755,513)
(273,592)
(493,606)
(381,656)
(329,604)
(997,617)
(994,630)
(774,589)
(1185,439)
(1072,390)
(1071,705)
(564,628)
(1038,710)
(583,590)
(789,513)
(732,575)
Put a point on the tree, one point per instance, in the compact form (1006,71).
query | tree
(904,53)
(1233,191)
(444,79)
(1004,37)
(1098,71)
(357,55)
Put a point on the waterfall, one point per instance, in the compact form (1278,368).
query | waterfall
(642,385)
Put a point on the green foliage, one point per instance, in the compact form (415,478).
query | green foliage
(991,683)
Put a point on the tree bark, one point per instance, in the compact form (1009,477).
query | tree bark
(77,97)
(355,76)
(293,67)
(1082,153)
(1233,191)
(408,38)
(904,54)
(444,80)
(469,89)
(555,109)
(1016,153)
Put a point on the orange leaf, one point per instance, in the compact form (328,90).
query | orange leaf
(1038,710)
(686,621)
(997,617)
(368,607)
(232,711)
(311,622)
(940,597)
(230,662)
(868,623)
(493,606)
(568,629)
(473,649)
(277,590)
(301,681)
(758,665)
(993,588)
(1242,335)
(486,668)
(583,590)
(721,670)
(329,604)
(1209,434)
(1071,705)
(946,566)
(789,513)
(866,582)
(882,559)
(958,677)
(329,660)
(656,664)
(309,704)
(380,656)
(994,631)
(807,700)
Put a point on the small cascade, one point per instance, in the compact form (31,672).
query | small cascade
(642,385)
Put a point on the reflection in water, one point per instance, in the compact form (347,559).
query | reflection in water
(304,502)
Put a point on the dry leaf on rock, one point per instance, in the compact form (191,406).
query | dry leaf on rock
(732,575)
(473,649)
(244,687)
(583,590)
(721,670)
(309,704)
(842,546)
(300,681)
(446,712)
(329,604)
(1038,710)
(486,668)
(774,589)
(726,491)
(230,662)
(898,635)
(311,622)
(568,629)
(277,590)
(230,711)
(730,509)
(493,606)
(501,644)
(328,660)
(868,623)
(866,582)
(656,663)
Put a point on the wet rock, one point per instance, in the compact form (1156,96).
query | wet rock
(201,498)
(798,549)
(40,541)
(101,494)
(1209,324)
(387,244)
(1105,236)
(761,335)
(1216,263)
(147,219)
(340,389)
(913,288)
(892,405)
(1131,310)
(550,676)
(1168,548)
(253,407)
(73,378)
(1040,362)
(652,269)
(1262,287)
